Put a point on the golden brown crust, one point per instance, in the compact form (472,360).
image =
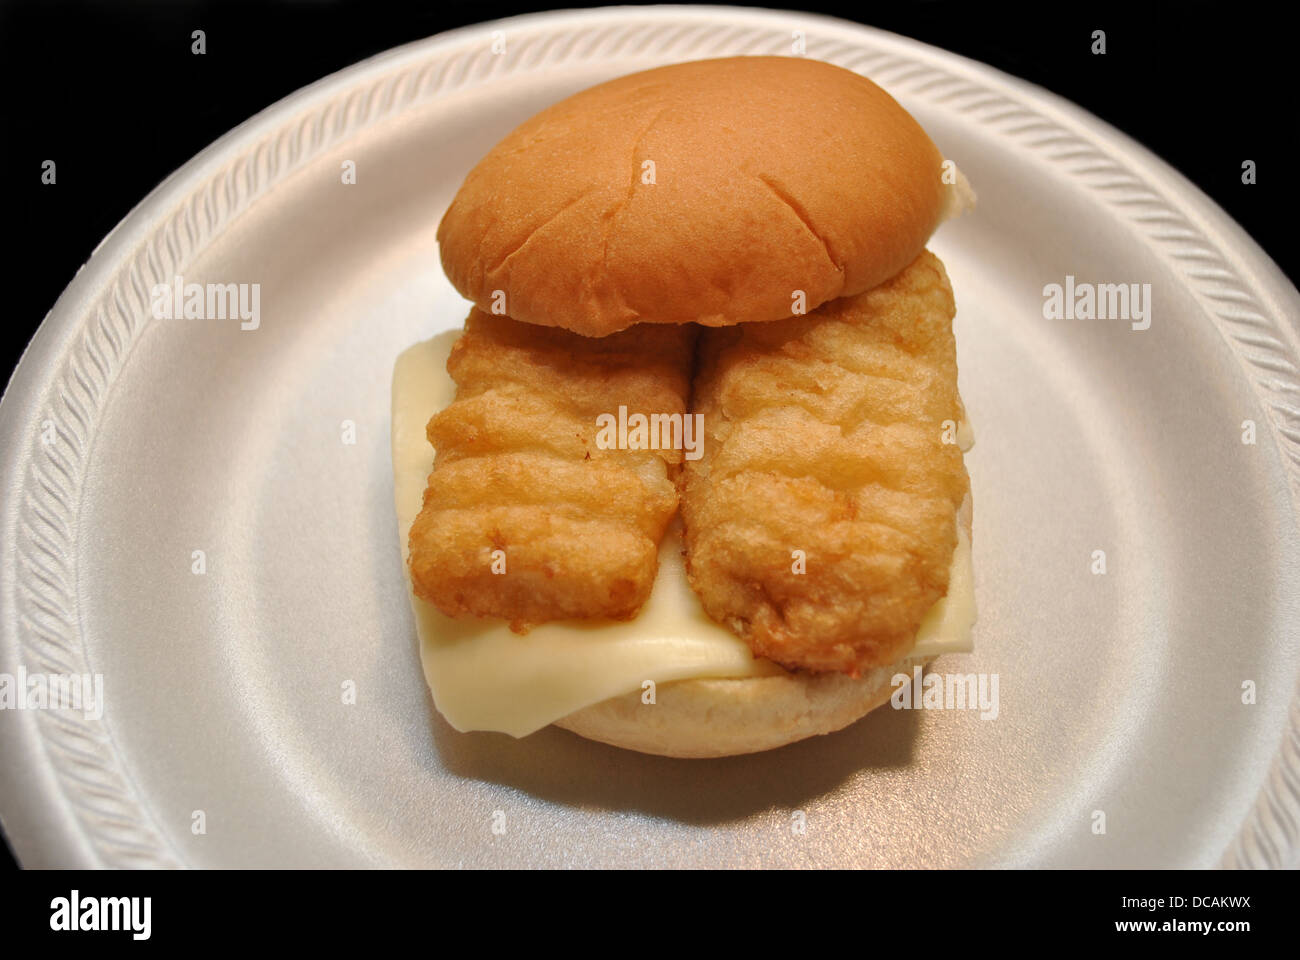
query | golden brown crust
(825,434)
(518,469)
(770,175)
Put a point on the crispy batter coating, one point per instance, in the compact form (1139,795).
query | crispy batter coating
(824,434)
(518,469)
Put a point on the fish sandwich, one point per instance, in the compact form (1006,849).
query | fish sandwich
(734,244)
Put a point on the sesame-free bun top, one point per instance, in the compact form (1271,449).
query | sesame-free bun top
(706,192)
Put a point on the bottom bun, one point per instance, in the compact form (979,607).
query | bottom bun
(722,718)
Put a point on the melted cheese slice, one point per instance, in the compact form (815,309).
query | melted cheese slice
(958,196)
(483,676)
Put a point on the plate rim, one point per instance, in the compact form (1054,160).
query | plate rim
(78,806)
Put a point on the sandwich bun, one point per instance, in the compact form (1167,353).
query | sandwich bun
(706,192)
(724,718)
(720,718)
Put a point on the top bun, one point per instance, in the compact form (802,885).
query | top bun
(706,192)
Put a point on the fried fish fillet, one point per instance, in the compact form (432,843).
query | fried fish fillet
(826,434)
(525,517)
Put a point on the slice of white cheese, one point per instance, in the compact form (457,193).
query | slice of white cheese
(958,195)
(483,676)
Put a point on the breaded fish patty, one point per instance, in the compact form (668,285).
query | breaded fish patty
(525,517)
(820,522)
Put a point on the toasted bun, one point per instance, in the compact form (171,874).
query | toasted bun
(770,175)
(722,718)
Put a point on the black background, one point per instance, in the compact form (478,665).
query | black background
(112,94)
